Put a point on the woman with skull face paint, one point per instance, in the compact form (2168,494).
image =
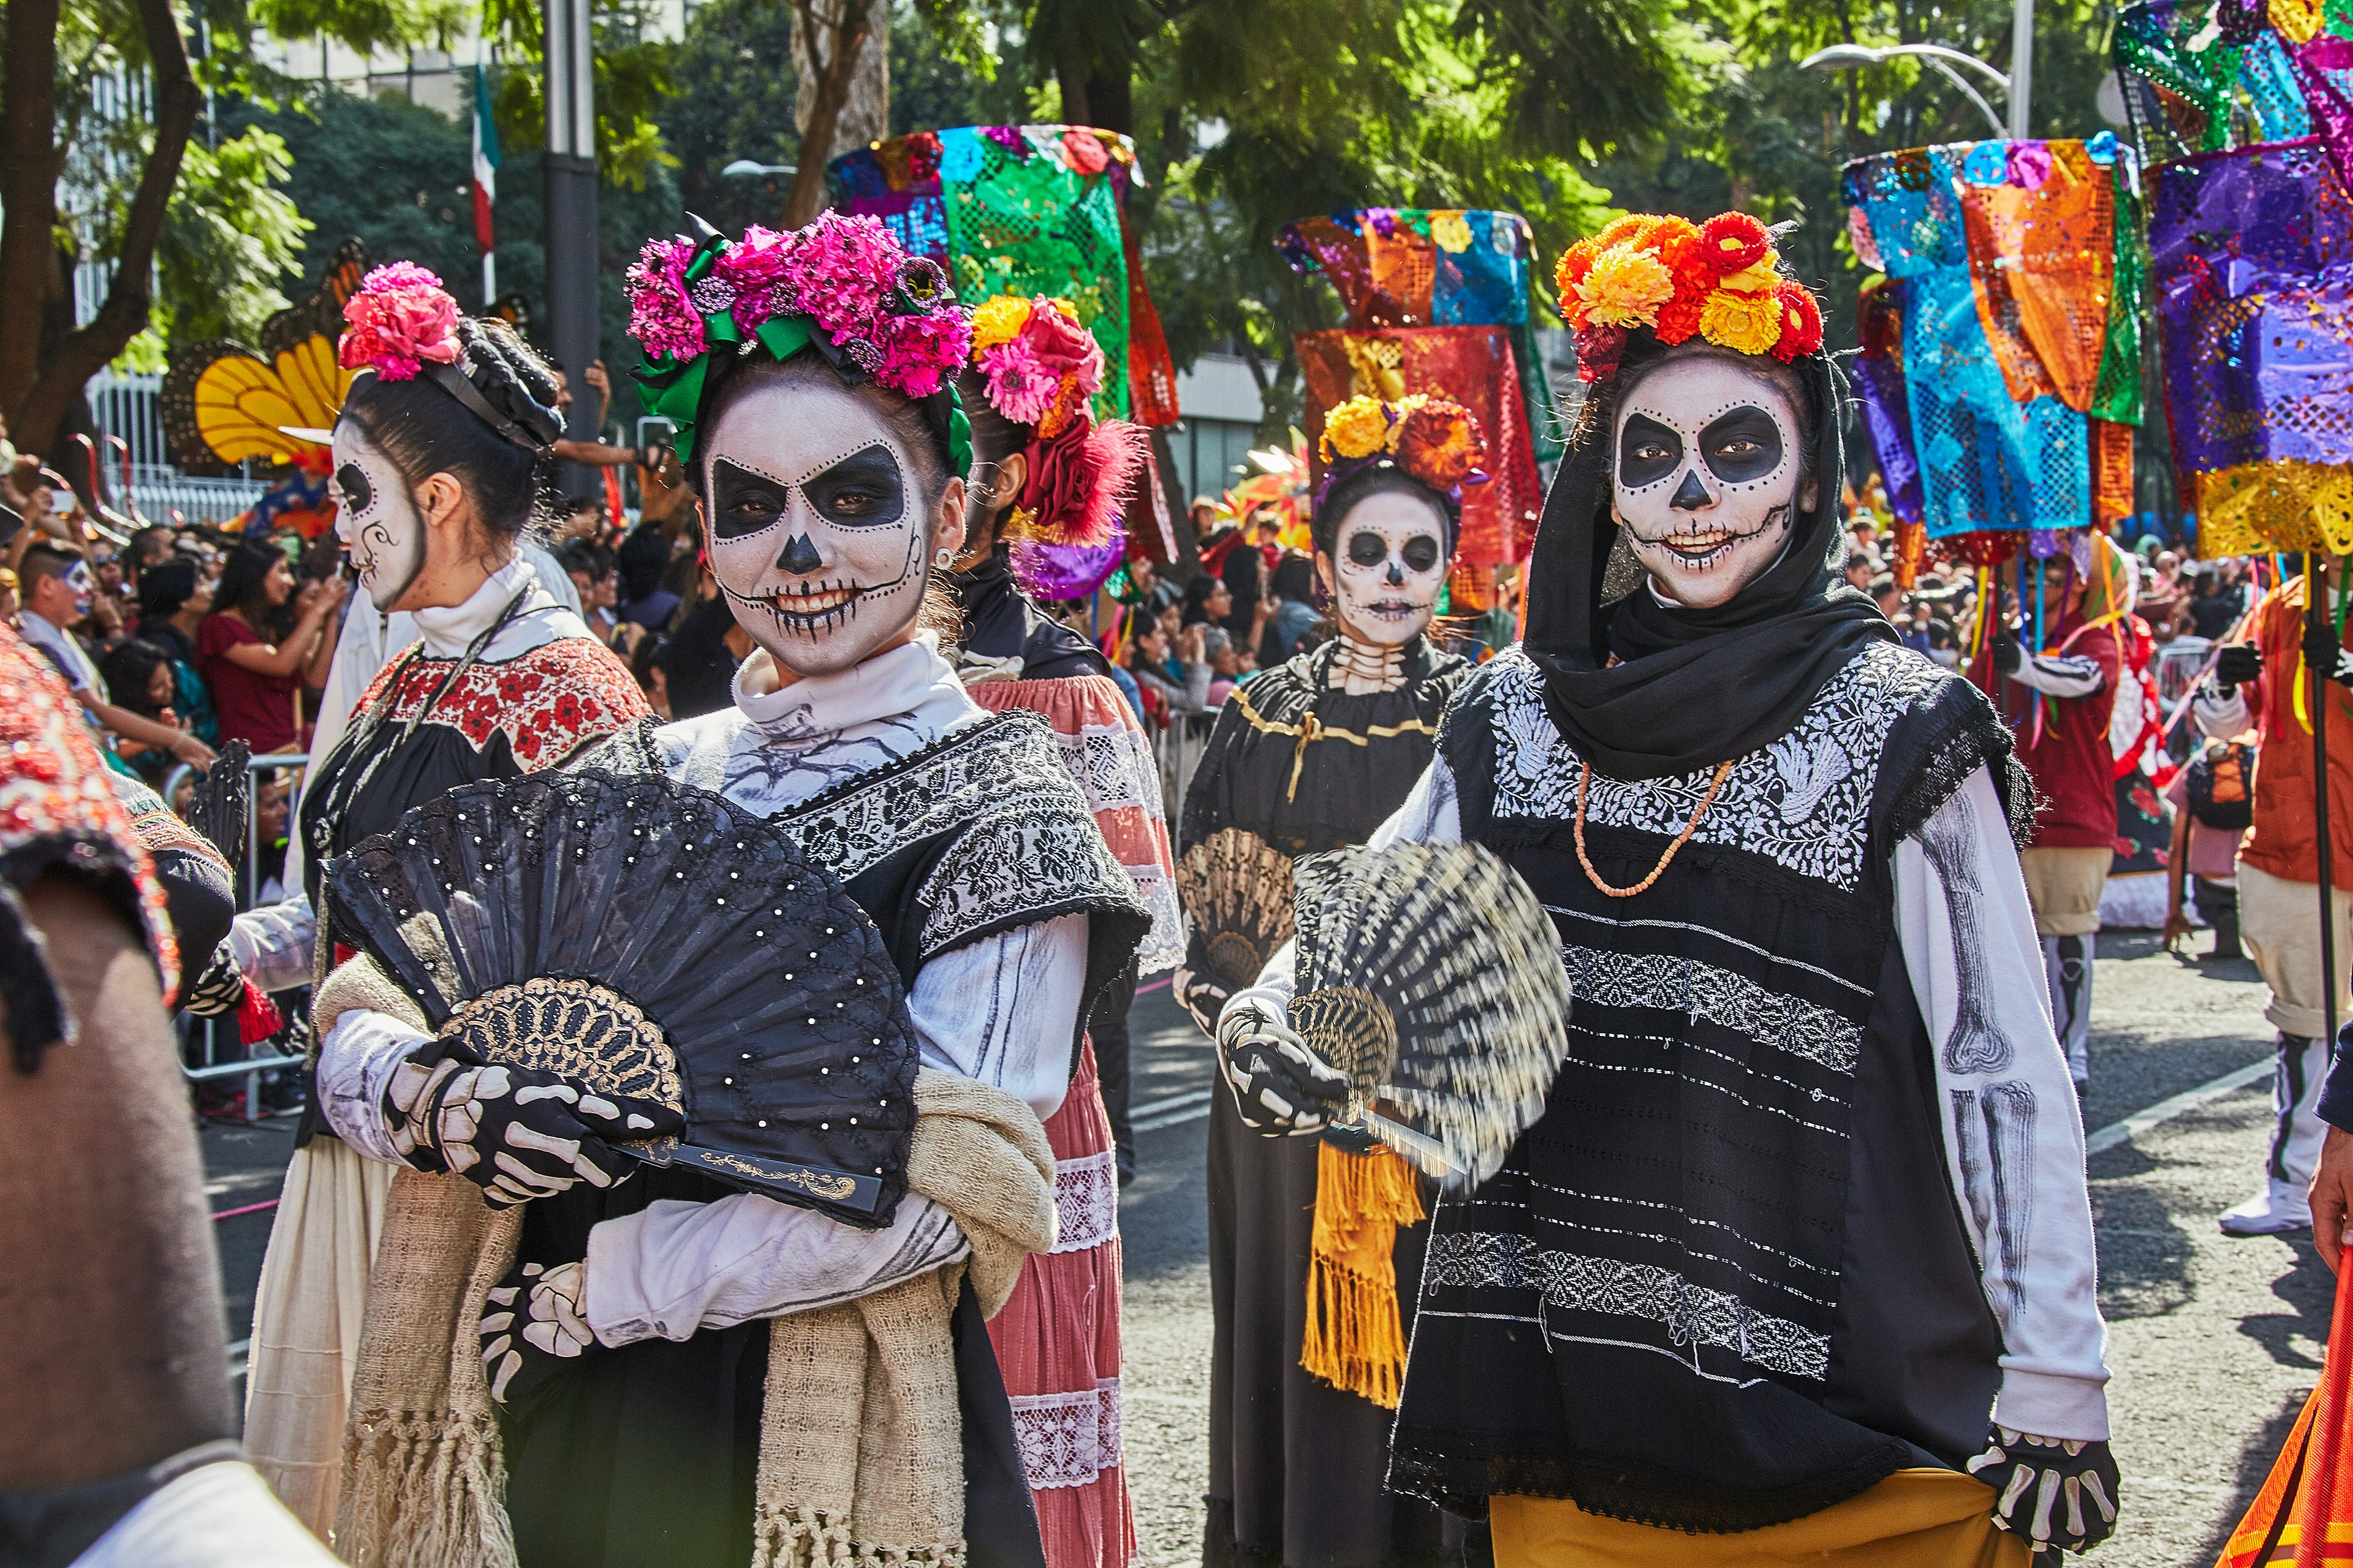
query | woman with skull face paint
(1797,1262)
(724,1379)
(1046,473)
(438,455)
(1311,756)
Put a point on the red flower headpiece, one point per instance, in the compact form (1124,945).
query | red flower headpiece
(401,320)
(1720,280)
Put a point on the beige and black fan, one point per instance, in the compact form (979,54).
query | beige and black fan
(1236,891)
(1429,974)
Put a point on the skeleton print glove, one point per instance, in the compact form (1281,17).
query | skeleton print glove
(518,1132)
(1281,1088)
(2060,1493)
(533,1324)
(1201,997)
(219,991)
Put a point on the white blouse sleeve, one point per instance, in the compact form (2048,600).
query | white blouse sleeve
(1004,1011)
(2012,1131)
(356,1060)
(273,944)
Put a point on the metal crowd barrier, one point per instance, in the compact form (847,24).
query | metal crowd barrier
(1178,749)
(207,1034)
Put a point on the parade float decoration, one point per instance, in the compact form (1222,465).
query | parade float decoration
(1030,211)
(1999,372)
(1437,302)
(225,403)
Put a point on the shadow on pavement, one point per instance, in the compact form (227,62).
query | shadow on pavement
(2309,1292)
(2254,1463)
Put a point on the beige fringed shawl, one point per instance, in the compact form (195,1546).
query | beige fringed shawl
(424,1481)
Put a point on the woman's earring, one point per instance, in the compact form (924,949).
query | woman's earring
(943,558)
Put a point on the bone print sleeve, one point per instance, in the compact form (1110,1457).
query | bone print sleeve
(2013,1132)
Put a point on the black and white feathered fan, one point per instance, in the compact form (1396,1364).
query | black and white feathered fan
(1429,974)
(1236,889)
(655,939)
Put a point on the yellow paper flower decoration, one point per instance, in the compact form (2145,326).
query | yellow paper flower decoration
(1357,429)
(1450,233)
(1625,287)
(999,321)
(1744,323)
(1759,278)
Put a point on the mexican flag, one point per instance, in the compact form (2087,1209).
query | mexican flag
(486,160)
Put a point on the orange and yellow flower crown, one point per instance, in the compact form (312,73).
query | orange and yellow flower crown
(1435,439)
(1720,280)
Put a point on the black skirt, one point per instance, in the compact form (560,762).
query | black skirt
(1296,1466)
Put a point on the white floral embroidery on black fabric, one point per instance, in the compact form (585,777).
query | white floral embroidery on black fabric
(1803,802)
(1701,989)
(1013,859)
(1694,1316)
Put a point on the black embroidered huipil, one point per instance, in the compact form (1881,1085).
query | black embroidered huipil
(1723,1282)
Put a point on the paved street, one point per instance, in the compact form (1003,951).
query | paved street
(2214,1343)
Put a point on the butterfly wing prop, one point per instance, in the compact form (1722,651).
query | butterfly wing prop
(1431,975)
(655,939)
(224,403)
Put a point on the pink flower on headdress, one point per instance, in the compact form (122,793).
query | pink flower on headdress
(1020,387)
(917,351)
(841,269)
(757,270)
(399,321)
(2030,164)
(661,317)
(1085,150)
(1008,137)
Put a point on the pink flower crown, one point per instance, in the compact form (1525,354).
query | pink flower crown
(400,320)
(892,314)
(1040,368)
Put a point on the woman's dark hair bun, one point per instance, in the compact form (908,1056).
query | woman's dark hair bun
(510,376)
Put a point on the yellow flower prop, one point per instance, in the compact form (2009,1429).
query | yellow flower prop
(1625,288)
(1746,323)
(999,320)
(1450,233)
(1357,429)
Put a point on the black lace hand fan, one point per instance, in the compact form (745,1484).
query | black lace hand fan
(221,802)
(1236,890)
(1429,974)
(655,939)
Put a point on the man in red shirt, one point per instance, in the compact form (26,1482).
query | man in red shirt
(2261,685)
(2059,703)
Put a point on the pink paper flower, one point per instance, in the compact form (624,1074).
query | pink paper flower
(1085,150)
(842,270)
(661,317)
(1020,387)
(2030,164)
(917,351)
(401,319)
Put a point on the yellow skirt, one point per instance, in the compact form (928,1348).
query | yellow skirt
(1913,1519)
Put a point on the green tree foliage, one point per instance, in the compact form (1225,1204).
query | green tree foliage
(398,175)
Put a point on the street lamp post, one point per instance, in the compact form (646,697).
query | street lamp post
(2014,87)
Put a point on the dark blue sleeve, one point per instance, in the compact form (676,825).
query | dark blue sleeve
(2337,1088)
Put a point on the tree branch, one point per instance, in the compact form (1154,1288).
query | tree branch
(849,27)
(89,349)
(28,197)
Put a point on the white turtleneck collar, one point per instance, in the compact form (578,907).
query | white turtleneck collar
(911,684)
(449,630)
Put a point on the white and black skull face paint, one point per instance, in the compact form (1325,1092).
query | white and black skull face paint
(375,518)
(1389,563)
(817,532)
(1706,478)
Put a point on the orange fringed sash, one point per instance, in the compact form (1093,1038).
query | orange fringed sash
(1356,1334)
(2304,1515)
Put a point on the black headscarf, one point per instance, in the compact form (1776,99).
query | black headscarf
(1694,687)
